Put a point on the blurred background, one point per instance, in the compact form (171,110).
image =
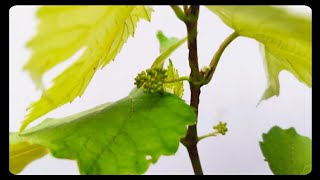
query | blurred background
(232,95)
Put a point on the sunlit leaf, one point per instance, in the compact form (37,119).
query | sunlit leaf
(22,153)
(62,31)
(123,137)
(286,39)
(167,47)
(176,87)
(165,42)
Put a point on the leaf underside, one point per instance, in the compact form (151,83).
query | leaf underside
(64,30)
(123,137)
(285,39)
(286,151)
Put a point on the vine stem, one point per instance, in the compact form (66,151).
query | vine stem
(197,78)
(191,139)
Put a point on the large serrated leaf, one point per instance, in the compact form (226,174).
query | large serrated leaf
(123,137)
(286,151)
(286,39)
(62,31)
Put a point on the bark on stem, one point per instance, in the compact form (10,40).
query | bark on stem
(191,139)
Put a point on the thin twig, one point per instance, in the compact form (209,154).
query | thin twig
(183,78)
(185,8)
(215,60)
(215,133)
(178,11)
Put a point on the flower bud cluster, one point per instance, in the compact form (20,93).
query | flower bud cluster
(151,80)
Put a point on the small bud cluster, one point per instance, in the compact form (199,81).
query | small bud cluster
(221,128)
(151,80)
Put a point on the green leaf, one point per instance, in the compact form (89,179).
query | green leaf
(63,30)
(175,88)
(123,137)
(286,151)
(167,46)
(165,42)
(22,153)
(286,39)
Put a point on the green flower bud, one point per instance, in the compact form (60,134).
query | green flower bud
(146,86)
(221,128)
(151,80)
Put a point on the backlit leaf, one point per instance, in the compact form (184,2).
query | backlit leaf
(167,47)
(22,153)
(123,137)
(165,42)
(62,31)
(176,87)
(286,39)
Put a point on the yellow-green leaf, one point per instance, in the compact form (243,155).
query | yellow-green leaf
(62,31)
(167,47)
(286,39)
(175,88)
(165,42)
(22,153)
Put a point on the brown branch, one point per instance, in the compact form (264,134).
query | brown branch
(191,139)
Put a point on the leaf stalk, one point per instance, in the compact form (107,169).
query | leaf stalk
(183,78)
(215,60)
(212,134)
